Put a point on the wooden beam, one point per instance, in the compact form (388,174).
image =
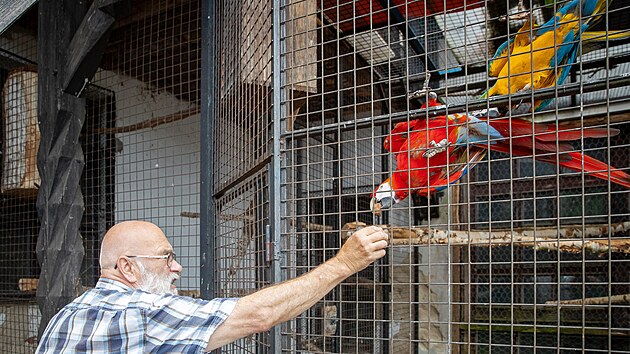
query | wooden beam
(88,44)
(60,162)
(149,123)
(69,49)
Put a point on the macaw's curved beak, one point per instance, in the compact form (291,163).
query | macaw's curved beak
(377,205)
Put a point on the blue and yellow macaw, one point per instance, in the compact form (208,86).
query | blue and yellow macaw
(541,56)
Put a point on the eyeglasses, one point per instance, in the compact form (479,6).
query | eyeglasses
(170,257)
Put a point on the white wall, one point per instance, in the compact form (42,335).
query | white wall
(157,171)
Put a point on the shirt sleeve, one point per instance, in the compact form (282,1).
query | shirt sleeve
(177,324)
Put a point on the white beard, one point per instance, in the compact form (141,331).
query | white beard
(155,283)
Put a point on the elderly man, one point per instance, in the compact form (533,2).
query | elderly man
(134,307)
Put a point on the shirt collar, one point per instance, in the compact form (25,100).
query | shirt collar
(111,284)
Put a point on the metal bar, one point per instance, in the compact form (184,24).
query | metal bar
(275,163)
(247,174)
(393,118)
(208,117)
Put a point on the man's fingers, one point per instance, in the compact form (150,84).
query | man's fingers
(377,236)
(369,230)
(379,254)
(381,244)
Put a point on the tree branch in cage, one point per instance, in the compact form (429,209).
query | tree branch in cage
(315,227)
(565,239)
(149,123)
(311,345)
(225,217)
(622,299)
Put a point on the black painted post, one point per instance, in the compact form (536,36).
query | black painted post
(60,161)
(71,41)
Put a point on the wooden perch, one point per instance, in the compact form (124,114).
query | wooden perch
(226,217)
(190,214)
(566,239)
(150,123)
(315,227)
(623,299)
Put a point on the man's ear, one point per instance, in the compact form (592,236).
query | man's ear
(126,268)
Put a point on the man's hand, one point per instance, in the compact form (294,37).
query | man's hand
(362,248)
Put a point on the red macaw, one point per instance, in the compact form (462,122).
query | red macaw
(541,56)
(433,153)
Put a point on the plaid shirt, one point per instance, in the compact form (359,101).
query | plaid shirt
(113,318)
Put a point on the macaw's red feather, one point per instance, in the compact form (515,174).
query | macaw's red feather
(572,160)
(431,102)
(596,168)
(399,134)
(429,160)
(547,132)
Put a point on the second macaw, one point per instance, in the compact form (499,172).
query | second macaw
(541,56)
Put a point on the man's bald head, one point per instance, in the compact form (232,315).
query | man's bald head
(131,238)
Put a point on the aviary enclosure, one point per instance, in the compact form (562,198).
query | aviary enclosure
(490,138)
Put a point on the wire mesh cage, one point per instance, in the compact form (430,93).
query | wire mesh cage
(518,242)
(140,145)
(489,138)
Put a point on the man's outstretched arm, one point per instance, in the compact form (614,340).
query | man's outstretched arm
(268,307)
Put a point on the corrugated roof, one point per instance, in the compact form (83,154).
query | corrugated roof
(11,10)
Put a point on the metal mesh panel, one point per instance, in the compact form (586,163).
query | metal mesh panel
(241,152)
(518,254)
(242,254)
(152,66)
(141,149)
(19,224)
(242,131)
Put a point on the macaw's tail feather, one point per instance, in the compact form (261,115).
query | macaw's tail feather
(590,10)
(574,133)
(596,168)
(595,40)
(523,147)
(603,36)
(547,132)
(593,9)
(572,161)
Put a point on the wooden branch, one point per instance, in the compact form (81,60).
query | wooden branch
(239,217)
(190,214)
(566,239)
(315,227)
(227,217)
(150,123)
(623,299)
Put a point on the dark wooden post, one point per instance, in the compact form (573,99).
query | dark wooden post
(71,40)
